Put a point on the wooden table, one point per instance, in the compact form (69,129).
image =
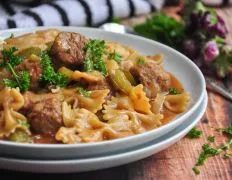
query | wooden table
(177,161)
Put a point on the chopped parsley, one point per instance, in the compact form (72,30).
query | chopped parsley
(194,133)
(21,79)
(49,76)
(95,50)
(211,138)
(173,91)
(196,170)
(24,124)
(9,57)
(115,56)
(226,130)
(140,61)
(83,91)
(208,151)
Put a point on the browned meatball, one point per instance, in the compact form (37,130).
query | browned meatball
(44,113)
(46,116)
(153,77)
(67,49)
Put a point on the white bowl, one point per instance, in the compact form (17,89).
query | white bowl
(107,161)
(176,63)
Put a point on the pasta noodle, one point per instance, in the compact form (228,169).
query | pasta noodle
(10,100)
(177,103)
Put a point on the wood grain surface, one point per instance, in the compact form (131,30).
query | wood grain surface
(177,161)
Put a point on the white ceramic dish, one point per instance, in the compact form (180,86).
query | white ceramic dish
(89,164)
(183,68)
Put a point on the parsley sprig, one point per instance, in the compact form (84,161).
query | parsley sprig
(10,60)
(95,50)
(49,76)
(140,61)
(194,133)
(173,91)
(208,151)
(226,130)
(116,57)
(83,91)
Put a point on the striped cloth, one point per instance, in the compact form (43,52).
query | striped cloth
(29,13)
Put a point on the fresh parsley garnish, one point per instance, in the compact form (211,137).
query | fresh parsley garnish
(208,151)
(94,52)
(196,170)
(9,57)
(140,61)
(211,138)
(83,91)
(21,79)
(194,133)
(24,124)
(115,56)
(226,130)
(173,91)
(49,76)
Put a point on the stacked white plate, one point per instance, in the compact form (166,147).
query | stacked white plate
(92,156)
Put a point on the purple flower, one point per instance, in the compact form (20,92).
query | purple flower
(211,22)
(210,51)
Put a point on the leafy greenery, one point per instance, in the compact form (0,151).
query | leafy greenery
(140,61)
(196,170)
(211,138)
(24,124)
(9,57)
(227,130)
(95,50)
(115,56)
(162,28)
(83,91)
(10,60)
(208,151)
(194,133)
(49,76)
(173,91)
(20,136)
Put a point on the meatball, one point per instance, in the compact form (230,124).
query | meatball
(153,77)
(67,49)
(46,116)
(43,111)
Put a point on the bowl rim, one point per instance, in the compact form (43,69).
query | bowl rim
(119,140)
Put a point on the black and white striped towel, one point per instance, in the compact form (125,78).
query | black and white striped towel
(29,13)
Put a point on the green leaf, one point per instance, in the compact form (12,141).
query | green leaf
(140,61)
(24,124)
(162,28)
(211,138)
(83,91)
(173,91)
(115,56)
(95,50)
(9,57)
(196,170)
(49,76)
(194,133)
(227,130)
